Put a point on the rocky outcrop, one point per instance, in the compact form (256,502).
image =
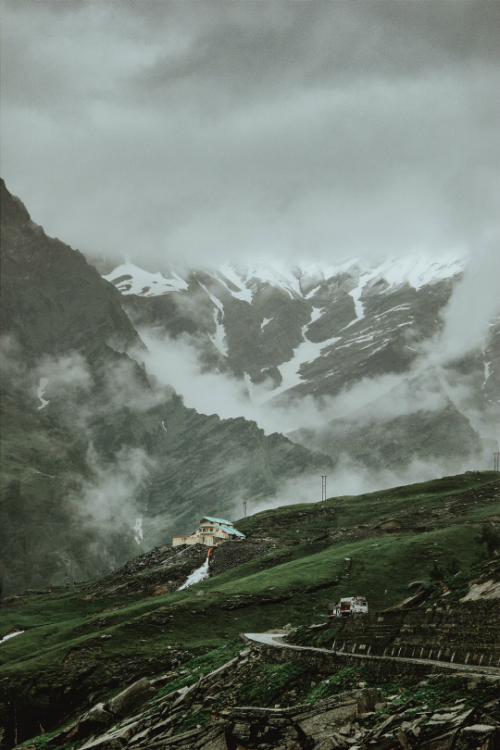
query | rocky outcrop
(361,717)
(52,300)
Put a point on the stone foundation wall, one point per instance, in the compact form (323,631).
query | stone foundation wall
(385,669)
(467,633)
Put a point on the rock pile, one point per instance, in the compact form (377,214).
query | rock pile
(187,718)
(164,569)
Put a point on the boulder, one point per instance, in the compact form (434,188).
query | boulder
(367,698)
(94,721)
(133,696)
(320,725)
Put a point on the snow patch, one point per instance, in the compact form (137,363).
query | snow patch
(229,272)
(239,274)
(264,323)
(357,291)
(214,299)
(145,284)
(198,575)
(406,306)
(163,425)
(139,535)
(487,373)
(217,339)
(42,385)
(316,313)
(419,271)
(307,351)
(312,292)
(11,635)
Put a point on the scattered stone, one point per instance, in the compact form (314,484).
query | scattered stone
(133,696)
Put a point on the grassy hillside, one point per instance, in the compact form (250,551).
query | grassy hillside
(82,641)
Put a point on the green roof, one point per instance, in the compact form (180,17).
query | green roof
(232,530)
(217,520)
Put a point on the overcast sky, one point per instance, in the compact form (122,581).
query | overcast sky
(154,131)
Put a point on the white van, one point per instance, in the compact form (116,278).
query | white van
(348,606)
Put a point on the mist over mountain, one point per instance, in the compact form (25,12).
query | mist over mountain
(356,360)
(99,459)
(131,404)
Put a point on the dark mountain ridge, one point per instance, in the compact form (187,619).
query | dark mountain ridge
(98,460)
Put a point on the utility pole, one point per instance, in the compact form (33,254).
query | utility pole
(496,462)
(323,488)
(244,508)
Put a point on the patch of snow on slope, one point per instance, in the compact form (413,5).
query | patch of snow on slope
(406,306)
(11,635)
(356,340)
(487,373)
(312,292)
(307,351)
(198,575)
(317,312)
(357,291)
(214,299)
(139,534)
(143,283)
(419,271)
(264,323)
(245,294)
(218,338)
(378,349)
(42,385)
(245,274)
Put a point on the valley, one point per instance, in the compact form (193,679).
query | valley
(103,461)
(249,376)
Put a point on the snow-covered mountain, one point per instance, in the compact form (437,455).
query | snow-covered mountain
(359,327)
(304,330)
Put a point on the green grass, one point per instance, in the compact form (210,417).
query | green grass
(199,622)
(307,521)
(63,629)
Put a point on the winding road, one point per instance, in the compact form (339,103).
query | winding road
(269,639)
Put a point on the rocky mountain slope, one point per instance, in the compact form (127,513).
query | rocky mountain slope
(309,334)
(299,335)
(71,648)
(99,461)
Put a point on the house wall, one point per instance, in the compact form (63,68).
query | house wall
(207,539)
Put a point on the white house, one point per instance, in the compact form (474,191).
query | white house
(212,531)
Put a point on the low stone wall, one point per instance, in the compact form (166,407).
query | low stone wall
(383,668)
(467,633)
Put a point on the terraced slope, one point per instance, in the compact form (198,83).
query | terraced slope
(83,640)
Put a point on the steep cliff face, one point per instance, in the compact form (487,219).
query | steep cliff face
(52,300)
(98,460)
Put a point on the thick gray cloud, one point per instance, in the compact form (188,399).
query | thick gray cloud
(200,130)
